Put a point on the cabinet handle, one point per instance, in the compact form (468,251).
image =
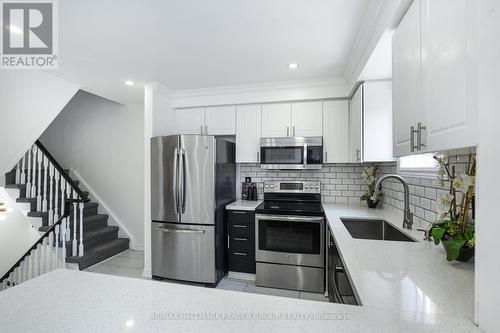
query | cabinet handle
(288,131)
(240,253)
(201,129)
(240,239)
(206,130)
(238,212)
(412,139)
(293,130)
(358,155)
(239,226)
(419,136)
(258,157)
(228,241)
(326,156)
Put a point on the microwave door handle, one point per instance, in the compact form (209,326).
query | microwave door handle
(305,155)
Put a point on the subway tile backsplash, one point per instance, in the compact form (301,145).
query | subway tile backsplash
(342,183)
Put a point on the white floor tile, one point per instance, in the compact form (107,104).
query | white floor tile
(132,254)
(320,297)
(252,288)
(102,268)
(128,272)
(126,262)
(228,284)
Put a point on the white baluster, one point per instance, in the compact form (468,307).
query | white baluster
(39,184)
(4,284)
(75,242)
(49,247)
(56,249)
(33,176)
(28,182)
(18,172)
(51,194)
(43,258)
(28,266)
(63,234)
(66,196)
(13,280)
(20,273)
(80,248)
(23,167)
(45,184)
(57,177)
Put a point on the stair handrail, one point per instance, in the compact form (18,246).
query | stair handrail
(61,170)
(40,241)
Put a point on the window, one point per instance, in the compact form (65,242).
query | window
(423,164)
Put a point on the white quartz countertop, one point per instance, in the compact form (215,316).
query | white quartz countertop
(243,205)
(412,277)
(74,301)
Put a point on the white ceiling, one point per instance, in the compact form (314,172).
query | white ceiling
(188,44)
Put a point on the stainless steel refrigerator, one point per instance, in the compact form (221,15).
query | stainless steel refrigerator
(192,179)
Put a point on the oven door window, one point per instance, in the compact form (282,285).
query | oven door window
(282,155)
(289,237)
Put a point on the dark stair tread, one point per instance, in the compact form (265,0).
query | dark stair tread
(99,253)
(91,234)
(26,200)
(88,223)
(38,214)
(15,185)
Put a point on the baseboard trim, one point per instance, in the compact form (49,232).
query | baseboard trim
(241,276)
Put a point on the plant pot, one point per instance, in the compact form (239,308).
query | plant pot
(372,204)
(465,254)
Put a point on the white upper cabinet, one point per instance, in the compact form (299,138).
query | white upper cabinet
(276,120)
(307,118)
(189,121)
(448,75)
(248,133)
(220,120)
(377,121)
(355,126)
(406,77)
(434,78)
(336,131)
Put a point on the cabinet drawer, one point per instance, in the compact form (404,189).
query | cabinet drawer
(242,261)
(243,230)
(245,244)
(241,216)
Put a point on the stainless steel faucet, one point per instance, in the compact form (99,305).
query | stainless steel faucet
(408,216)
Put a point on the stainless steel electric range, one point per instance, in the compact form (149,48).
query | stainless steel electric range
(290,237)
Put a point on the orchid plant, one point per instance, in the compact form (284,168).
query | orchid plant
(453,227)
(370,177)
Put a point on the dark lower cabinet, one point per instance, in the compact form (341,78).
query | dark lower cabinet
(339,286)
(241,241)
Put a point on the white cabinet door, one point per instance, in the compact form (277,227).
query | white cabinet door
(220,120)
(406,78)
(448,76)
(189,121)
(307,119)
(276,120)
(248,132)
(355,126)
(336,131)
(377,121)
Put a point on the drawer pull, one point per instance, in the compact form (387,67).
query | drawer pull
(240,239)
(238,212)
(239,226)
(240,253)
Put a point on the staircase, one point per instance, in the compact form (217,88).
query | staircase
(85,238)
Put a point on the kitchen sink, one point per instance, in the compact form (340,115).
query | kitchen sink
(374,229)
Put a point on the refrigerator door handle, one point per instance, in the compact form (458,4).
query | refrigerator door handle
(181,231)
(183,180)
(175,183)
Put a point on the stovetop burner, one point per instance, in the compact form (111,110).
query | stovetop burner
(290,207)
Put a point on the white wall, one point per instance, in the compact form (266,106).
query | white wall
(17,234)
(29,102)
(487,224)
(102,141)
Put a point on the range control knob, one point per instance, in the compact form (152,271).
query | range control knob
(272,186)
(306,187)
(267,186)
(316,187)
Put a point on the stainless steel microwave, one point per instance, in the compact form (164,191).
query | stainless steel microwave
(295,153)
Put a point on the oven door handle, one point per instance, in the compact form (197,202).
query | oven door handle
(289,218)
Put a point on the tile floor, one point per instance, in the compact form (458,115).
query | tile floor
(130,263)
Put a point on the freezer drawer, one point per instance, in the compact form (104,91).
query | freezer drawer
(183,252)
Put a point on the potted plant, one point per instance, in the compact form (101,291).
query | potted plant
(370,177)
(453,229)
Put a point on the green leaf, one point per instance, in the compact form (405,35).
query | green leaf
(453,248)
(469,232)
(437,233)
